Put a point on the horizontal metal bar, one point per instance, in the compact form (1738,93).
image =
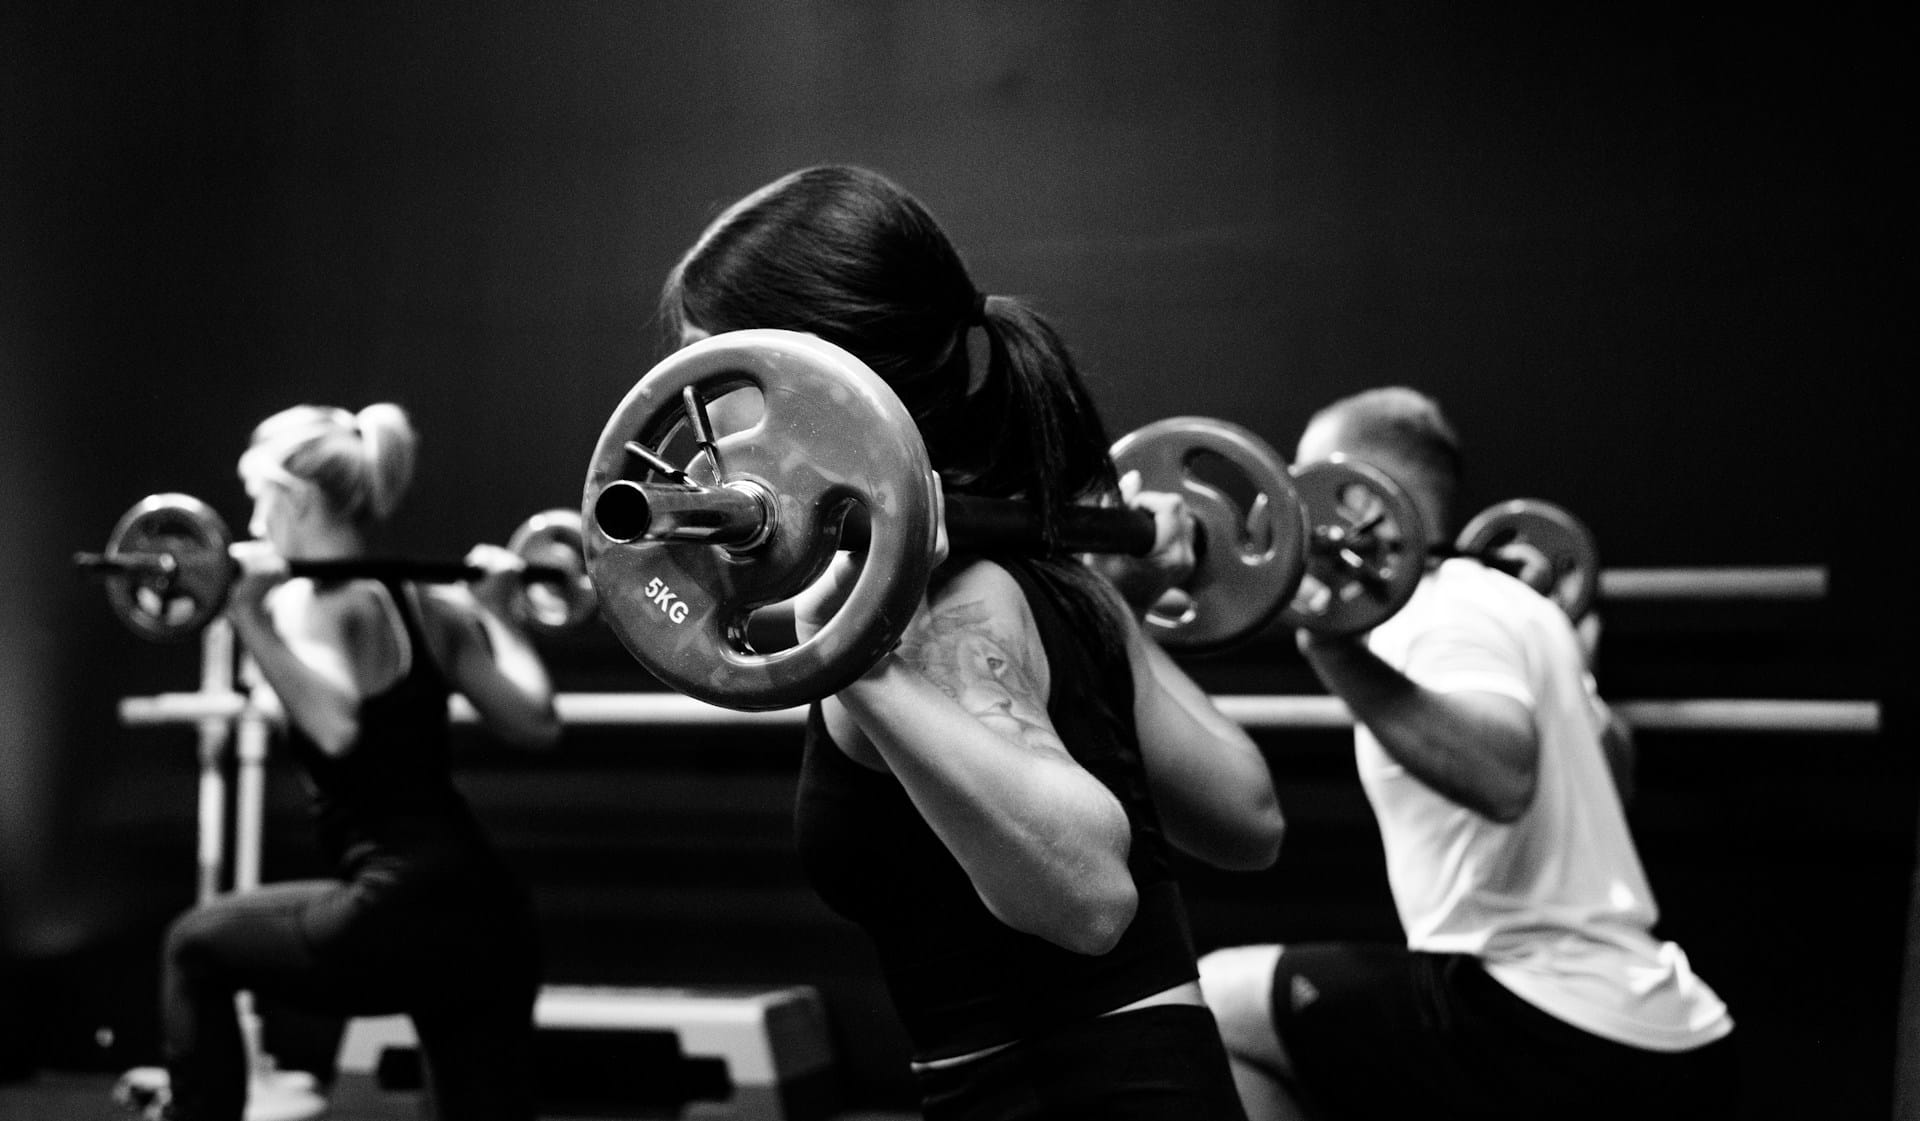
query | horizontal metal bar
(1774,582)
(1005,523)
(1728,715)
(627,511)
(987,522)
(1255,712)
(346,568)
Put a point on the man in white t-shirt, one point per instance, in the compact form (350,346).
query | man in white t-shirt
(1531,984)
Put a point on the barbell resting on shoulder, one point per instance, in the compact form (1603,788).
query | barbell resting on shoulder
(691,530)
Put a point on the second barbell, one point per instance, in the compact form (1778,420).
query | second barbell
(168,568)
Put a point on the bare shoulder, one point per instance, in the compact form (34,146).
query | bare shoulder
(302,609)
(449,616)
(447,601)
(347,631)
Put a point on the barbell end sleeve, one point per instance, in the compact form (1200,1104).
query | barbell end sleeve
(622,512)
(736,515)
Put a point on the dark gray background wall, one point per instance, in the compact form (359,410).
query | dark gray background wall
(1655,261)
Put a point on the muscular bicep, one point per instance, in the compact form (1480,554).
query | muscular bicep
(976,643)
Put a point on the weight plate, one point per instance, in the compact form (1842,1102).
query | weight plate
(1366,548)
(1250,528)
(1551,549)
(186,586)
(831,436)
(554,539)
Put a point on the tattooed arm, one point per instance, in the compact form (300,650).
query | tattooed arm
(958,714)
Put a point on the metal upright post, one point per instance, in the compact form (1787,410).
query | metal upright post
(216,732)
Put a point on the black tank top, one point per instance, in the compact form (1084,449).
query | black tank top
(960,979)
(388,801)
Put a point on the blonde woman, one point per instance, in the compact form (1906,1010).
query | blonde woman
(421,916)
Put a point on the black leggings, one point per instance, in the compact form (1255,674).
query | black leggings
(1152,1064)
(466,973)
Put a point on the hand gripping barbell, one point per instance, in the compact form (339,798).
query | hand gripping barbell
(684,548)
(168,571)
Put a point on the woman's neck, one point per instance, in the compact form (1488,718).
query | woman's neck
(325,543)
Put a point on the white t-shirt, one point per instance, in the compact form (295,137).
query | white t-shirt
(1555,904)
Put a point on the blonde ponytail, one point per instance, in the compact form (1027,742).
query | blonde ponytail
(360,463)
(389,442)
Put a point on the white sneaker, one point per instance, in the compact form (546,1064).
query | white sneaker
(284,1095)
(272,1094)
(145,1092)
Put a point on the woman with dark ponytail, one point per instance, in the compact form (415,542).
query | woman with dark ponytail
(996,802)
(421,915)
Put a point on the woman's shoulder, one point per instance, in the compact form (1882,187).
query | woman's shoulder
(342,606)
(977,579)
(447,611)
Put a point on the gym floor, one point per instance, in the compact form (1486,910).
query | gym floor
(65,1096)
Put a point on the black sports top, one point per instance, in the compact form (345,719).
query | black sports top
(389,799)
(961,979)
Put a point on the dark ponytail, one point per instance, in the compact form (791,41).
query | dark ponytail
(1034,426)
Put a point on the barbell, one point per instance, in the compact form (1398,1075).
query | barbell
(1540,543)
(685,547)
(1536,541)
(168,569)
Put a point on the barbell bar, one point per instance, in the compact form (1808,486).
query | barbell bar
(1240,581)
(736,518)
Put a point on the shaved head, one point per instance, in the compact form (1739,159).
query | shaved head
(1401,431)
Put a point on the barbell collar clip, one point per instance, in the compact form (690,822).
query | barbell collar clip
(702,429)
(653,460)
